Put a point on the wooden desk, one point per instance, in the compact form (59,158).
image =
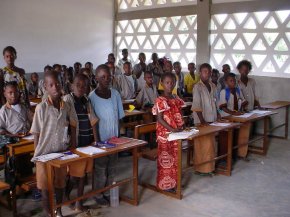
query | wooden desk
(132,146)
(35,100)
(278,105)
(203,131)
(134,113)
(255,117)
(126,103)
(22,147)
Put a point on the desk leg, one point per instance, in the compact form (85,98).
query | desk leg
(286,121)
(179,170)
(265,139)
(230,152)
(135,175)
(50,189)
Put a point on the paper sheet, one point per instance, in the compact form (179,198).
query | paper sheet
(69,156)
(33,103)
(182,135)
(220,124)
(260,112)
(129,100)
(90,150)
(48,157)
(30,137)
(246,115)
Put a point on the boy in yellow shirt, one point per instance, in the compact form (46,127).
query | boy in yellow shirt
(190,79)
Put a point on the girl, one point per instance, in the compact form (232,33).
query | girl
(169,119)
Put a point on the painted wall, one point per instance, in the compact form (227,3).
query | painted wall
(57,31)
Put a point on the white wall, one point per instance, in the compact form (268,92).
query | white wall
(56,31)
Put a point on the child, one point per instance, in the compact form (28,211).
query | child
(167,68)
(93,83)
(15,121)
(126,83)
(125,59)
(139,70)
(146,97)
(215,74)
(204,112)
(180,78)
(50,125)
(68,80)
(86,131)
(190,79)
(221,83)
(169,119)
(155,68)
(107,105)
(33,86)
(77,68)
(13,73)
(2,98)
(248,85)
(232,102)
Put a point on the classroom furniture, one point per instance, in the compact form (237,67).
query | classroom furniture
(132,145)
(203,131)
(256,117)
(128,102)
(10,197)
(275,106)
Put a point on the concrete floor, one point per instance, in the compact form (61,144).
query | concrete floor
(259,188)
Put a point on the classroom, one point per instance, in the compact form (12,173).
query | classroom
(138,108)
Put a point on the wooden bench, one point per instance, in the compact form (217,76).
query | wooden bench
(10,202)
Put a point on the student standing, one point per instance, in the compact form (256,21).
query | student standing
(108,107)
(190,79)
(33,87)
(169,119)
(50,126)
(139,70)
(155,68)
(204,112)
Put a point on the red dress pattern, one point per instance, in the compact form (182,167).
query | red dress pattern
(167,151)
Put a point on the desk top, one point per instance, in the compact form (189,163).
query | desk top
(35,100)
(128,101)
(134,143)
(134,113)
(209,129)
(276,105)
(252,118)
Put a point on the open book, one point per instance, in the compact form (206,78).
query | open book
(48,157)
(90,150)
(182,135)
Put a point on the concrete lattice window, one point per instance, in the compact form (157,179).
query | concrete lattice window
(261,37)
(173,37)
(128,5)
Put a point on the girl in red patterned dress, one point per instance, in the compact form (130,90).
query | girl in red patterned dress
(169,119)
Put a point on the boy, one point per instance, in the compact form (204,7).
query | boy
(50,125)
(139,70)
(221,83)
(33,86)
(215,74)
(125,59)
(146,97)
(155,68)
(107,105)
(15,121)
(232,102)
(86,132)
(248,85)
(190,79)
(126,83)
(204,112)
(180,78)
(77,68)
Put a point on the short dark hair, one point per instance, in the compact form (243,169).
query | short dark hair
(127,63)
(77,63)
(230,75)
(10,49)
(147,73)
(168,75)
(56,65)
(48,67)
(11,84)
(176,63)
(103,67)
(124,50)
(51,74)
(215,71)
(88,63)
(111,54)
(205,65)
(34,73)
(191,64)
(244,63)
(81,77)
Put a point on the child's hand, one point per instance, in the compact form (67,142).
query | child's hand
(238,113)
(204,123)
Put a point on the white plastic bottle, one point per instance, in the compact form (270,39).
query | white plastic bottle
(114,196)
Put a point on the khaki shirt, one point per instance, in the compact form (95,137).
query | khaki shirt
(249,92)
(125,87)
(205,102)
(91,114)
(52,125)
(147,95)
(230,103)
(14,122)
